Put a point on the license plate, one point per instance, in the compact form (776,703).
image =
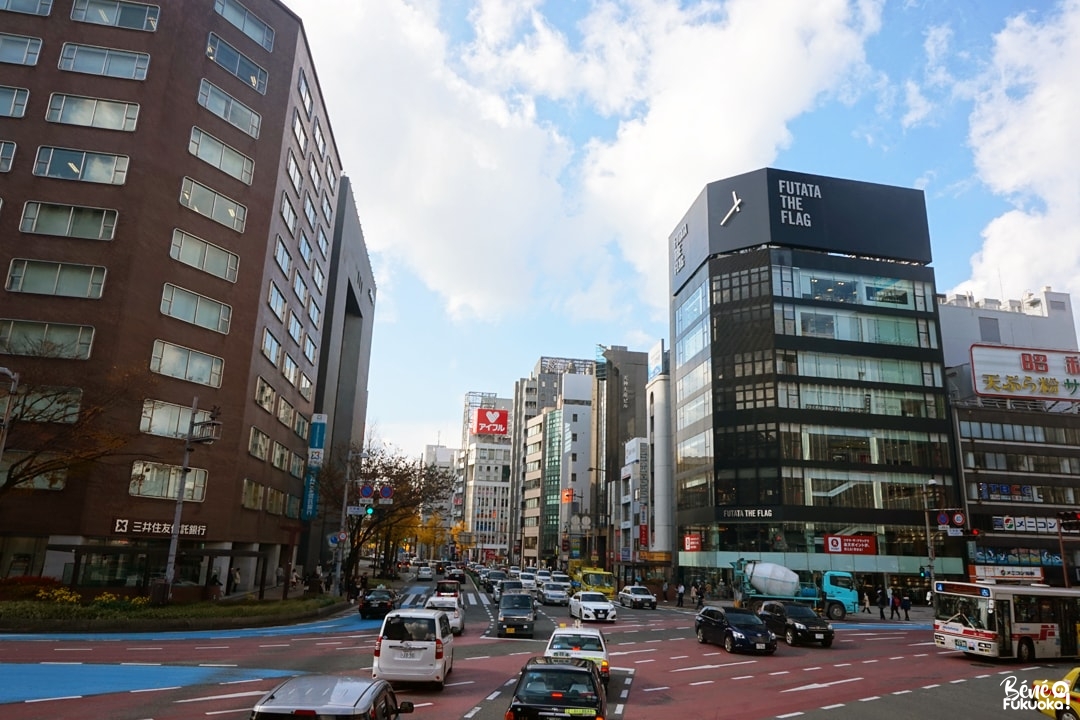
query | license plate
(509,631)
(761,646)
(819,636)
(407,655)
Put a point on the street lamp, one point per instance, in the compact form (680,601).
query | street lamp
(203,433)
(5,423)
(931,488)
(340,547)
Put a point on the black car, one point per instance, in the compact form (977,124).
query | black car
(330,696)
(558,687)
(493,577)
(376,603)
(737,629)
(797,623)
(456,574)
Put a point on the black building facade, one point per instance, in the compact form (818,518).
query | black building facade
(809,408)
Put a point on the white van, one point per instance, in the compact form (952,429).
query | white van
(414,646)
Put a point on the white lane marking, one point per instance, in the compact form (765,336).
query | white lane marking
(58,697)
(228,696)
(819,686)
(158,689)
(211,647)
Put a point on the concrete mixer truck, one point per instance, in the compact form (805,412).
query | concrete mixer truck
(755,582)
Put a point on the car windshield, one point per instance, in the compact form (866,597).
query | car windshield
(598,579)
(553,587)
(743,619)
(799,611)
(593,597)
(639,591)
(557,687)
(379,595)
(516,601)
(434,604)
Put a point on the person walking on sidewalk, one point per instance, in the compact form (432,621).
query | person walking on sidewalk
(680,591)
(894,605)
(882,602)
(866,601)
(905,605)
(664,588)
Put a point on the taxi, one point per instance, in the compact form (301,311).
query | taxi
(1050,696)
(578,641)
(558,688)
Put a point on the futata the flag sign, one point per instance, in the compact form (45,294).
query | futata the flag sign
(487,421)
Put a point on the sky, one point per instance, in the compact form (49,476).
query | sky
(518,165)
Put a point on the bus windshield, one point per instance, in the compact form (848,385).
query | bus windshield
(595,579)
(973,612)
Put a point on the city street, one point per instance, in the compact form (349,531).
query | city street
(658,666)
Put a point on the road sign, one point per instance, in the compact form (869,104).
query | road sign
(354,510)
(956,532)
(332,540)
(367,491)
(387,491)
(386,501)
(365,501)
(342,536)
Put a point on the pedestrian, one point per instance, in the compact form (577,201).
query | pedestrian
(905,605)
(894,605)
(664,589)
(279,575)
(230,581)
(866,601)
(236,579)
(295,578)
(363,583)
(700,596)
(215,587)
(882,602)
(679,592)
(929,597)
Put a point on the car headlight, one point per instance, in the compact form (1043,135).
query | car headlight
(828,626)
(800,626)
(737,634)
(772,635)
(501,618)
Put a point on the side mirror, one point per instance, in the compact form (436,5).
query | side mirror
(404,707)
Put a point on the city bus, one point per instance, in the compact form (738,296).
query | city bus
(985,619)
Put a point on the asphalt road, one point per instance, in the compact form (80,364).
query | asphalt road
(875,667)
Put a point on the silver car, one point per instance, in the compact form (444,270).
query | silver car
(330,696)
(552,593)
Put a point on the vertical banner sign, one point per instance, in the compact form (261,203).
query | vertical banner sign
(316,447)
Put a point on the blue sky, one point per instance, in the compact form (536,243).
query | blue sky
(519,164)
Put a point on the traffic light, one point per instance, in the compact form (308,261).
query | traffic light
(1069,519)
(370,511)
(974,533)
(922,571)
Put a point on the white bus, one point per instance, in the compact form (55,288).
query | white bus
(1007,621)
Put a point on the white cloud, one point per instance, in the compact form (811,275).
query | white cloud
(918,106)
(1023,132)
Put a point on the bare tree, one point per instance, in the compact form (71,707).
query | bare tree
(57,431)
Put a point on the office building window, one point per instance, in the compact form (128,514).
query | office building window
(300,289)
(290,369)
(327,210)
(30,7)
(331,177)
(288,213)
(313,173)
(117,13)
(301,425)
(92,112)
(282,256)
(276,300)
(19,49)
(324,243)
(298,130)
(280,457)
(7,155)
(320,141)
(314,312)
(81,165)
(271,347)
(229,109)
(285,413)
(319,277)
(248,22)
(155,480)
(265,395)
(186,364)
(296,328)
(259,446)
(295,175)
(45,339)
(305,92)
(309,211)
(169,419)
(68,221)
(212,204)
(237,63)
(108,62)
(13,101)
(203,255)
(42,277)
(311,352)
(305,248)
(176,302)
(230,161)
(307,387)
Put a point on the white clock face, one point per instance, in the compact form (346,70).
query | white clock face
(736,207)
